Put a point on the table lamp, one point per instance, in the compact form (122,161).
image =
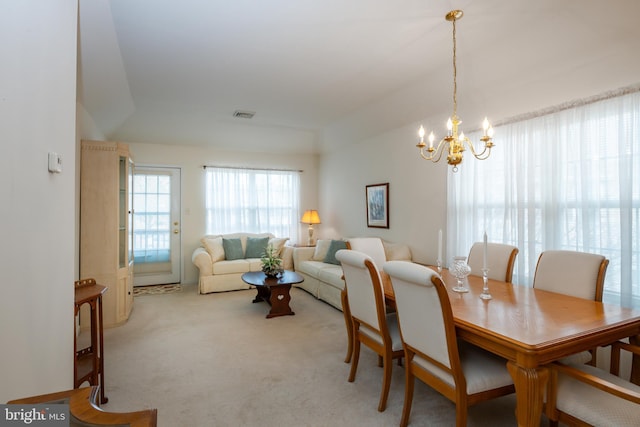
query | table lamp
(310,217)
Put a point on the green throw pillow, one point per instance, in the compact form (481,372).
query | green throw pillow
(256,247)
(334,246)
(232,249)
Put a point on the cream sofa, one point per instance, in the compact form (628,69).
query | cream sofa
(219,274)
(324,280)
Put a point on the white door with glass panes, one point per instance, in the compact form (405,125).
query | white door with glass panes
(156,225)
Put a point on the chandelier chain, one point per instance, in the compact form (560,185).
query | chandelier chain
(455,73)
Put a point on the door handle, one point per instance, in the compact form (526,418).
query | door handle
(175,231)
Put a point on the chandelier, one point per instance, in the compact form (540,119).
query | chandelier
(455,143)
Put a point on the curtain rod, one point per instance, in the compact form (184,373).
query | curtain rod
(253,169)
(626,90)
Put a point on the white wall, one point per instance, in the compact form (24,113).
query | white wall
(191,159)
(417,192)
(37,115)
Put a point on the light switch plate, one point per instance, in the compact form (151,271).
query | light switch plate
(55,162)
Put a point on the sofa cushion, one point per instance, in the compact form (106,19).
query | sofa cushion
(232,249)
(328,273)
(311,268)
(214,247)
(234,266)
(322,246)
(397,251)
(256,247)
(333,275)
(255,264)
(334,247)
(278,243)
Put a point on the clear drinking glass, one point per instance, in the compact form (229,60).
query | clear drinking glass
(460,270)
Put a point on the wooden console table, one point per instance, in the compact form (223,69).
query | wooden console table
(88,364)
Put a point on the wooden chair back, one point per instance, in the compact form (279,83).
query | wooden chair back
(500,260)
(424,313)
(579,274)
(371,246)
(364,288)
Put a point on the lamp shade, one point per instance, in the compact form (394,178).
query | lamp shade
(310,217)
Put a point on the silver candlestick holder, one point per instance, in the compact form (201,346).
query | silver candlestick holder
(439,266)
(485,285)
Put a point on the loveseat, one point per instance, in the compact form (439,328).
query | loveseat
(222,259)
(322,272)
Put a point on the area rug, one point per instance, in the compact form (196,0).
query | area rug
(156,289)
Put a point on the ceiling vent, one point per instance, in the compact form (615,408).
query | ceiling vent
(244,114)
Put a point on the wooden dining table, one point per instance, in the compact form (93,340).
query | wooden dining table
(531,328)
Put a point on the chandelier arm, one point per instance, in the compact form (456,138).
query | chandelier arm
(437,151)
(481,155)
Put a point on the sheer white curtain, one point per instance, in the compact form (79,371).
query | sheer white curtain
(567,180)
(253,201)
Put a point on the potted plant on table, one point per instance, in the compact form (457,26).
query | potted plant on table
(271,262)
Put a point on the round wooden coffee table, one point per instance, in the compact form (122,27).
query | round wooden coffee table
(274,290)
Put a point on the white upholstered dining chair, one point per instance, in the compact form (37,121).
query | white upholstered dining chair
(583,395)
(500,260)
(578,274)
(372,325)
(461,372)
(373,247)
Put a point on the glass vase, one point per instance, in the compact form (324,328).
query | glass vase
(460,270)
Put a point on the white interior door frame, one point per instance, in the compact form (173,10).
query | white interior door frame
(157,225)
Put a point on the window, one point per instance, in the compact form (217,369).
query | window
(567,180)
(253,201)
(152,217)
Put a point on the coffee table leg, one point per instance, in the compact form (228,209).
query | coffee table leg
(280,299)
(264,294)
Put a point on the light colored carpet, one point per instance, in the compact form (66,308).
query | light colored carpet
(215,360)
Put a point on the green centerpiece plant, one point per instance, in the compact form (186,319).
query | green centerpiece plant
(271,262)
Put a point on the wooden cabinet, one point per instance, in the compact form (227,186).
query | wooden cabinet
(106,252)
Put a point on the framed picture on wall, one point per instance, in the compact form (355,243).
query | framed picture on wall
(378,205)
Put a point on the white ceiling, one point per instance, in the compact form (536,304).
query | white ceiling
(323,72)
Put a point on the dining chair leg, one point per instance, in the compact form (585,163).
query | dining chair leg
(461,412)
(348,323)
(386,381)
(354,360)
(408,395)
